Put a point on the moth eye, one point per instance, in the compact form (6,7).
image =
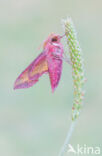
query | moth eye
(54,39)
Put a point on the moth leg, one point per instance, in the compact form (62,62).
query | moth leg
(57,57)
(66,59)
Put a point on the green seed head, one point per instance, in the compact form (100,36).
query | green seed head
(77,66)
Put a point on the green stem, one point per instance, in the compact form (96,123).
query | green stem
(77,74)
(67,140)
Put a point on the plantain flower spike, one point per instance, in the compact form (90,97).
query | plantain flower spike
(77,66)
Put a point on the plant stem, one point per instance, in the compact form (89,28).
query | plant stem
(77,74)
(67,140)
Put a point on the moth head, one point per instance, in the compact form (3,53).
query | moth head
(53,39)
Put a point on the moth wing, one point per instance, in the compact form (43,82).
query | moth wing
(55,70)
(32,73)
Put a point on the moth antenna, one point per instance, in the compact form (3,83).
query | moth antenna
(62,36)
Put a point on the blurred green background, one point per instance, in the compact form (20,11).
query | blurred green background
(34,122)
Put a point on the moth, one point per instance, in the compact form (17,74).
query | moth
(49,61)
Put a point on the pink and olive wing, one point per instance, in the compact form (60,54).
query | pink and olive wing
(55,70)
(32,73)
